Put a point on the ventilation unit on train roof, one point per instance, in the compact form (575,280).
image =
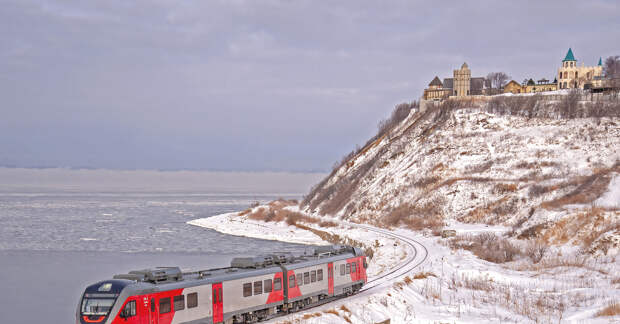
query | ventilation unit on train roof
(156,275)
(261,261)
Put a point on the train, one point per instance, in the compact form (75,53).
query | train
(250,290)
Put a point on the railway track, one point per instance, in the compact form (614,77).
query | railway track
(412,261)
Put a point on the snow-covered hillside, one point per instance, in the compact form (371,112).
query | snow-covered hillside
(550,179)
(534,203)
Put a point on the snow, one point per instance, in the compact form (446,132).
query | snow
(236,225)
(450,293)
(456,286)
(611,199)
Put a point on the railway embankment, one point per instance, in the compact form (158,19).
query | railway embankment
(516,201)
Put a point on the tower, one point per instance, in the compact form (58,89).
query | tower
(571,76)
(462,81)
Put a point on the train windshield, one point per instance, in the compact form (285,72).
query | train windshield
(97,306)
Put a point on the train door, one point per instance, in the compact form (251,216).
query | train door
(218,303)
(153,318)
(330,279)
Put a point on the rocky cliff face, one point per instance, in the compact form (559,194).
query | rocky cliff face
(547,178)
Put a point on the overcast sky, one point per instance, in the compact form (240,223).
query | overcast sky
(254,85)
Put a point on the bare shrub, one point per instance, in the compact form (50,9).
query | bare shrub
(569,105)
(487,246)
(400,112)
(476,284)
(536,250)
(538,190)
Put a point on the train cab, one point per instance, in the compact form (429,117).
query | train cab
(99,300)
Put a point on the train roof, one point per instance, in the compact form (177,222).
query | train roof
(166,278)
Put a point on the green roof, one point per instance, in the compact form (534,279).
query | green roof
(600,61)
(569,56)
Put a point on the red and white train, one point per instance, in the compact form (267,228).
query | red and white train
(250,290)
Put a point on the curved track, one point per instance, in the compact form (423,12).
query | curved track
(420,253)
(413,260)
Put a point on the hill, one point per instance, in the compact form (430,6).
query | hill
(548,170)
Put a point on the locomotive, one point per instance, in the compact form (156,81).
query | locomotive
(252,289)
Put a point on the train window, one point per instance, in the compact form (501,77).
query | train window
(267,285)
(306,278)
(164,305)
(217,295)
(342,270)
(319,275)
(192,300)
(313,276)
(291,281)
(152,305)
(258,287)
(353,267)
(179,302)
(300,280)
(277,284)
(129,310)
(247,289)
(348,268)
(365,264)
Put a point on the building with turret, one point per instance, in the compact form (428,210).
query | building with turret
(572,76)
(460,85)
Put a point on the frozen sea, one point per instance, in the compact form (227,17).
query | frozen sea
(64,229)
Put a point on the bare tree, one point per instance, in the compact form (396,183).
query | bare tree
(611,68)
(611,71)
(498,79)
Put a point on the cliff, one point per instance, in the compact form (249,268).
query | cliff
(548,170)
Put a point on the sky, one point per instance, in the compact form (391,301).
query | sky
(254,85)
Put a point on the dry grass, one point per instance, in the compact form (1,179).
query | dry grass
(327,224)
(275,212)
(331,311)
(612,309)
(313,315)
(588,188)
(493,212)
(583,227)
(503,188)
(417,216)
(423,275)
(345,309)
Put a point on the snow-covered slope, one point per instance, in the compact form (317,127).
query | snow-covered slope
(551,179)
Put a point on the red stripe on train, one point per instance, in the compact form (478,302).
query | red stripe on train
(276,295)
(294,291)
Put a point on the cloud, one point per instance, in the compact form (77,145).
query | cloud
(246,85)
